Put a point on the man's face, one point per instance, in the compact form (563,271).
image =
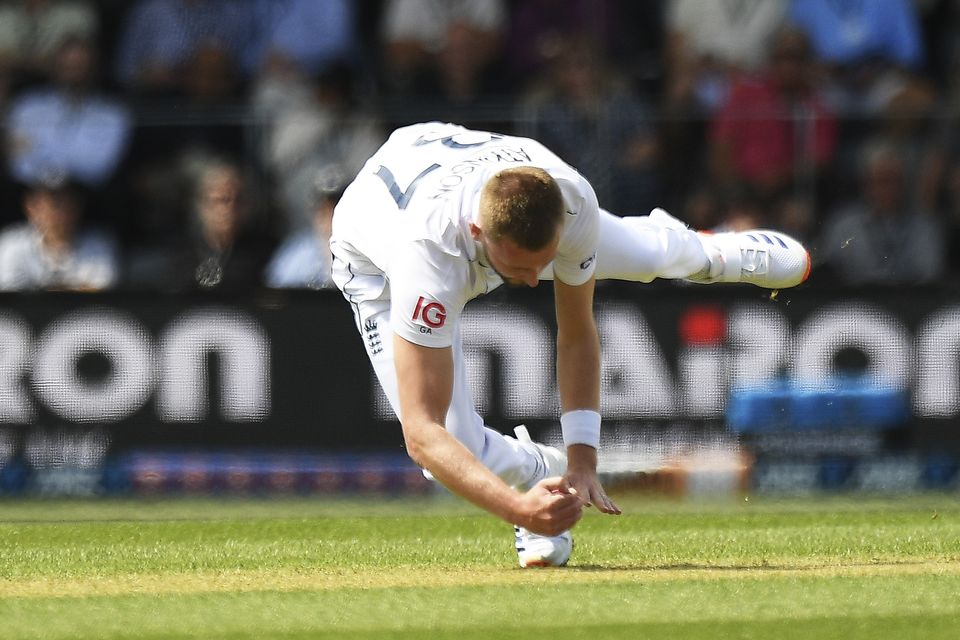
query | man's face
(790,62)
(515,265)
(53,213)
(221,202)
(75,65)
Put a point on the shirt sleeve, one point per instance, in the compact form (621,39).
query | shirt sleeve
(576,257)
(427,294)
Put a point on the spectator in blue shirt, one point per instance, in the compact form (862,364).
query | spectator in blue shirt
(68,127)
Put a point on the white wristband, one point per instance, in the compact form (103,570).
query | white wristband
(581,427)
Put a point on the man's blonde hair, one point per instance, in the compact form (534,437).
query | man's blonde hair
(523,204)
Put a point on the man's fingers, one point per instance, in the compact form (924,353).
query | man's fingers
(567,499)
(567,515)
(584,494)
(564,502)
(556,484)
(560,512)
(605,504)
(594,495)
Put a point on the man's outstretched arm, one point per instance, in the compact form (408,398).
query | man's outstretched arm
(425,380)
(578,376)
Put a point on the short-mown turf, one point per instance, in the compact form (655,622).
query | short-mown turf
(435,568)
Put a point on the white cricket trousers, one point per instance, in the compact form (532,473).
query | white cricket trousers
(635,248)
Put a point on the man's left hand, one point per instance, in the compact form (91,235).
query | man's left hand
(582,476)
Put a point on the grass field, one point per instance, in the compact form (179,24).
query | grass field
(435,568)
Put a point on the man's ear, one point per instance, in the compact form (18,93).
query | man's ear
(475,231)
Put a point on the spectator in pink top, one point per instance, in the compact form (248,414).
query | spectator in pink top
(773,128)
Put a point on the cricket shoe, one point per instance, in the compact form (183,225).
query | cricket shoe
(534,550)
(765,258)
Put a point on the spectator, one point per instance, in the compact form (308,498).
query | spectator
(201,118)
(586,113)
(221,250)
(456,39)
(51,250)
(774,127)
(167,45)
(309,126)
(68,127)
(883,238)
(33,31)
(303,260)
(710,43)
(871,51)
(309,34)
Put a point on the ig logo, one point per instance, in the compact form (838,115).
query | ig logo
(431,314)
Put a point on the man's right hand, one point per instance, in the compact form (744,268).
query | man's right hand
(550,507)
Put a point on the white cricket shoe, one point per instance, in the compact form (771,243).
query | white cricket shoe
(534,550)
(542,551)
(768,259)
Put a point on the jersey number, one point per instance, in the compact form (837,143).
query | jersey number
(402,196)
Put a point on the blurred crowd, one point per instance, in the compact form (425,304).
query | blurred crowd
(176,145)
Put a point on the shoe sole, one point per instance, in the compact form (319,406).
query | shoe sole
(536,564)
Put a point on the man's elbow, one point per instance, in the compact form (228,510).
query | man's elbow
(416,453)
(416,444)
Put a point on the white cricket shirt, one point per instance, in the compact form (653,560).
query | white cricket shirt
(401,231)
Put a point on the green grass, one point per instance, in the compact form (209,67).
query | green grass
(816,568)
